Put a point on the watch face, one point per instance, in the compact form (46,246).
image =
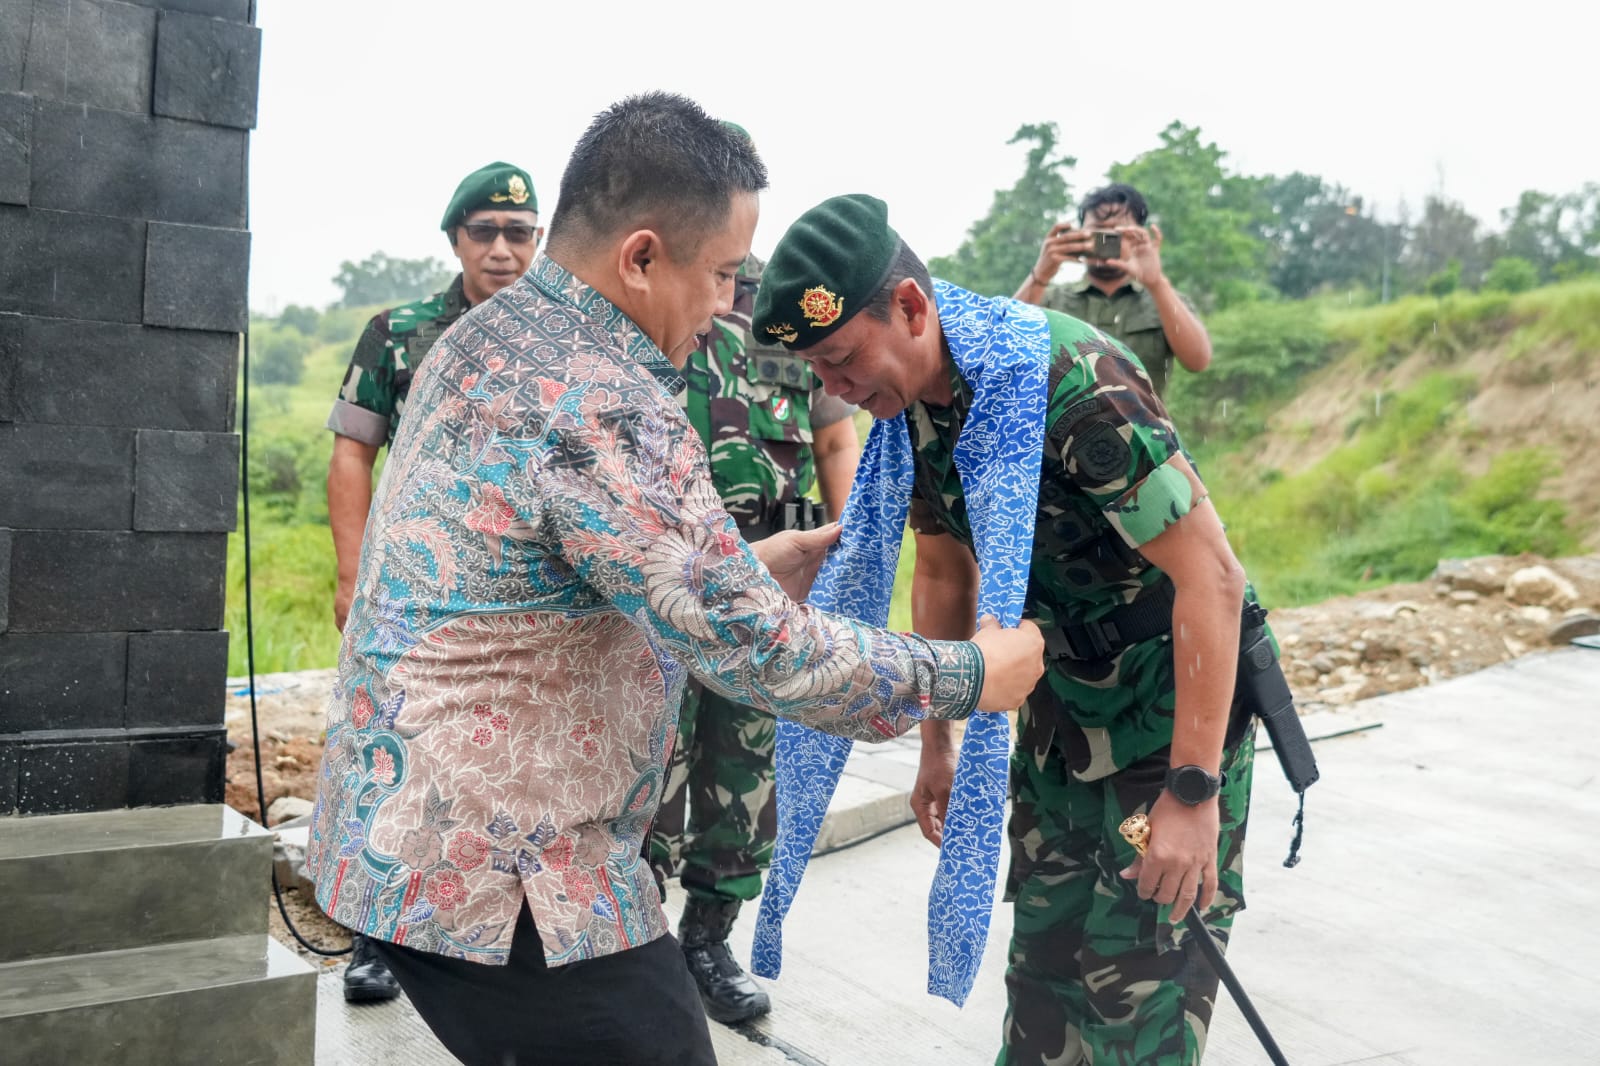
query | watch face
(1191,784)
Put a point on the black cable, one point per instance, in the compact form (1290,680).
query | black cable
(250,644)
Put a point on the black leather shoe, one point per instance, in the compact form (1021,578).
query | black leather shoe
(367,979)
(729,995)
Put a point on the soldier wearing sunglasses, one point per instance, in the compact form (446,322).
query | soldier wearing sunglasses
(493,226)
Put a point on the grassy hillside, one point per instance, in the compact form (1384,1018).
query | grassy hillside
(1346,446)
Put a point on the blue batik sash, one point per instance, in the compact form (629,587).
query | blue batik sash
(1002,350)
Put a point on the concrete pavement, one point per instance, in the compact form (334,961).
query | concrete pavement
(1440,915)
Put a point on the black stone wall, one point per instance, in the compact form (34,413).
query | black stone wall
(123,261)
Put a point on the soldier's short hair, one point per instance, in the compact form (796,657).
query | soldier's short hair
(1117,194)
(654,161)
(907,264)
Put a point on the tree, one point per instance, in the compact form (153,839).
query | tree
(1206,216)
(1511,273)
(1320,235)
(1445,232)
(302,319)
(277,356)
(380,278)
(1003,246)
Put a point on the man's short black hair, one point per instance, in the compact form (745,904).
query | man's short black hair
(1115,195)
(907,264)
(654,161)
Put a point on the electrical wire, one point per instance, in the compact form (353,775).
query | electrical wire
(250,645)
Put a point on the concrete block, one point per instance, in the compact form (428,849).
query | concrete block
(133,166)
(196,277)
(130,869)
(185,482)
(15,22)
(56,681)
(16,140)
(92,373)
(5,579)
(186,769)
(65,477)
(8,778)
(95,52)
(176,678)
(77,581)
(237,10)
(207,70)
(67,265)
(10,354)
(61,778)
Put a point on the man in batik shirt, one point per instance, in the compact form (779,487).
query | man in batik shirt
(546,561)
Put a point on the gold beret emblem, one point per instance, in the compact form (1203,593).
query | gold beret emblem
(516,191)
(784,332)
(821,307)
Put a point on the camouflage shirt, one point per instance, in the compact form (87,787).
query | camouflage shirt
(755,410)
(386,357)
(1129,315)
(1107,486)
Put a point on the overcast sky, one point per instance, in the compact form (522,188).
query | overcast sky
(371,112)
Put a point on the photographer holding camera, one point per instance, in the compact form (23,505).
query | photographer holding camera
(1123,291)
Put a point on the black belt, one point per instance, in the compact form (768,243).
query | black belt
(794,514)
(1149,615)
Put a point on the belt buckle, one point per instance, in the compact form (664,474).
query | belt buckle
(1095,632)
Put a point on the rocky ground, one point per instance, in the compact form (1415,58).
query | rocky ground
(1470,614)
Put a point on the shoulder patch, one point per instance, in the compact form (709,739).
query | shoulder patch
(1100,453)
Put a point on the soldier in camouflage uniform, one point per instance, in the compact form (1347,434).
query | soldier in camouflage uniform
(493,225)
(1139,595)
(1129,298)
(772,434)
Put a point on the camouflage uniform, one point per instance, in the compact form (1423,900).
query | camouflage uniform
(1096,974)
(1129,314)
(386,358)
(755,409)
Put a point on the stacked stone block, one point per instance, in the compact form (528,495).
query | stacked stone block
(123,263)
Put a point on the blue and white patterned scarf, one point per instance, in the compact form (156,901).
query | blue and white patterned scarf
(1002,350)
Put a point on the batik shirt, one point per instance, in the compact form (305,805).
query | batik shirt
(545,562)
(1109,483)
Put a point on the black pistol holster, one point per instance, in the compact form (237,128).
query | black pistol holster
(1262,688)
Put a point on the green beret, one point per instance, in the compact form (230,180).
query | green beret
(496,187)
(828,266)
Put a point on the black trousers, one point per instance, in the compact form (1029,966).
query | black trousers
(634,1008)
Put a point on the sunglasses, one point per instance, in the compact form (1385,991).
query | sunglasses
(487,232)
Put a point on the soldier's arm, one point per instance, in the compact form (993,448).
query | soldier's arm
(835,450)
(1186,335)
(1209,584)
(360,424)
(944,602)
(349,500)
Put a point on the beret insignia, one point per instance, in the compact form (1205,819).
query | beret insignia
(516,191)
(784,332)
(821,307)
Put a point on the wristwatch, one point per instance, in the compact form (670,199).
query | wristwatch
(1192,785)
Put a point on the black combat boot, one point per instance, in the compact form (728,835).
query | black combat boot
(367,979)
(729,995)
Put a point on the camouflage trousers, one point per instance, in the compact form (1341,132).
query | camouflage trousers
(719,815)
(1097,975)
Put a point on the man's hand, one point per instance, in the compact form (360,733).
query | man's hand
(1180,866)
(794,556)
(1141,254)
(936,772)
(1013,662)
(1065,243)
(342,598)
